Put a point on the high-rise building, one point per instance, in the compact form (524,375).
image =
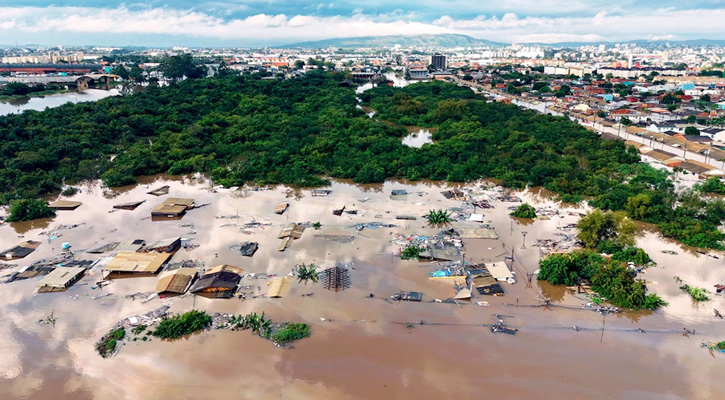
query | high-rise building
(438,61)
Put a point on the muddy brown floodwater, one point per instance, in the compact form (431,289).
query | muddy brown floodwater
(364,348)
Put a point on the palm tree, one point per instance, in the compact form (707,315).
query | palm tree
(438,217)
(305,273)
(265,326)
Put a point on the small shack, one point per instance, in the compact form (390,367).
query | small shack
(60,279)
(321,192)
(160,191)
(281,208)
(499,270)
(175,282)
(20,251)
(408,296)
(338,210)
(172,207)
(484,282)
(164,245)
(248,249)
(288,234)
(65,205)
(219,282)
(454,194)
(137,263)
(131,205)
(278,287)
(399,195)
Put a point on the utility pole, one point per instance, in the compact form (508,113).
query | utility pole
(523,245)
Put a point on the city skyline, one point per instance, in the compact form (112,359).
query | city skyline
(268,23)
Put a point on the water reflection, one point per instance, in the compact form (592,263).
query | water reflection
(20,104)
(418,138)
(358,342)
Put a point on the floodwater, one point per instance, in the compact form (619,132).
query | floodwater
(18,105)
(418,138)
(363,348)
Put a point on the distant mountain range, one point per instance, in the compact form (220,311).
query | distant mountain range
(441,40)
(639,42)
(457,40)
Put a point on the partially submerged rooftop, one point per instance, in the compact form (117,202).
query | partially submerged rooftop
(172,207)
(131,205)
(65,205)
(20,251)
(131,262)
(176,281)
(219,282)
(61,278)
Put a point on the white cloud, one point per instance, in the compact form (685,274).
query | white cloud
(17,22)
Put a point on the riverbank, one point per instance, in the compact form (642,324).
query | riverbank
(362,347)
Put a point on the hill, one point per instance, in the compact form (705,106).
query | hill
(441,40)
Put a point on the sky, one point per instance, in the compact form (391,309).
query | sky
(242,23)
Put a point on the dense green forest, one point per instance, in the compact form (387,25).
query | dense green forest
(245,129)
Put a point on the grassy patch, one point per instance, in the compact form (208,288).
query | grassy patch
(182,324)
(697,294)
(108,344)
(291,332)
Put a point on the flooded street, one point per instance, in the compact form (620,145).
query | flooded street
(360,347)
(20,104)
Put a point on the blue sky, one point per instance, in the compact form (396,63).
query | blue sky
(270,22)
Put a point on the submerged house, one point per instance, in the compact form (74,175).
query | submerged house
(172,207)
(219,282)
(65,205)
(131,205)
(61,279)
(164,245)
(137,263)
(289,233)
(175,282)
(20,251)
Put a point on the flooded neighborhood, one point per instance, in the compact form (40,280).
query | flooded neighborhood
(470,314)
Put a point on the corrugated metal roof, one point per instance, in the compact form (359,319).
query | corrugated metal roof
(279,287)
(175,281)
(499,270)
(65,204)
(61,277)
(137,262)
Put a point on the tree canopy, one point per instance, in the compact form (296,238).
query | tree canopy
(598,226)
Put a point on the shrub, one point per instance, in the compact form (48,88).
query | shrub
(137,330)
(29,209)
(182,324)
(564,269)
(572,198)
(697,294)
(410,253)
(524,211)
(69,191)
(108,344)
(632,254)
(291,332)
(618,285)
